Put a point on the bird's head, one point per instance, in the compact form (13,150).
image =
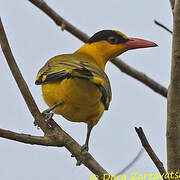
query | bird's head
(108,44)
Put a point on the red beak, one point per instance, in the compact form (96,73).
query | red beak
(135,43)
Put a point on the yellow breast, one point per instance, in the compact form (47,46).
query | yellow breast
(81,99)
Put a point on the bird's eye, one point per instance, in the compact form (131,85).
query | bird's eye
(112,40)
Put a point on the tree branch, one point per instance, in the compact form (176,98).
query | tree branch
(173,120)
(41,4)
(52,130)
(28,139)
(141,77)
(162,26)
(150,151)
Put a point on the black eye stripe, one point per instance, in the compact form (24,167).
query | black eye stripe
(105,34)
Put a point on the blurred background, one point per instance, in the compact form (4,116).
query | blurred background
(34,38)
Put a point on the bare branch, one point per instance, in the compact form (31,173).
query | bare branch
(163,26)
(150,151)
(131,163)
(141,77)
(41,4)
(52,130)
(28,139)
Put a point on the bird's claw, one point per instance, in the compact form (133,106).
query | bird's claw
(79,162)
(35,124)
(84,149)
(84,153)
(48,116)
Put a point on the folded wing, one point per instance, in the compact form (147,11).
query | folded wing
(58,69)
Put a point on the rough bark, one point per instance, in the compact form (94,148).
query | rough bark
(173,119)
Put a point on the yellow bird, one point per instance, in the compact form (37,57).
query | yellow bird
(76,86)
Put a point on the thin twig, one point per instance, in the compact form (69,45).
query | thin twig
(163,26)
(41,4)
(131,163)
(54,131)
(150,151)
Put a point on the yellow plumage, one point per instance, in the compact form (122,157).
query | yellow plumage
(75,85)
(81,99)
(81,87)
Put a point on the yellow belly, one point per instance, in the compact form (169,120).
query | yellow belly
(81,99)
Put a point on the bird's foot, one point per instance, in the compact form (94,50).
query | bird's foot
(84,153)
(79,162)
(84,149)
(48,116)
(78,158)
(36,124)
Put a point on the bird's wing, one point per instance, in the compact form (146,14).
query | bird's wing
(58,70)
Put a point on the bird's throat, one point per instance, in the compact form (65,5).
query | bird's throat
(96,56)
